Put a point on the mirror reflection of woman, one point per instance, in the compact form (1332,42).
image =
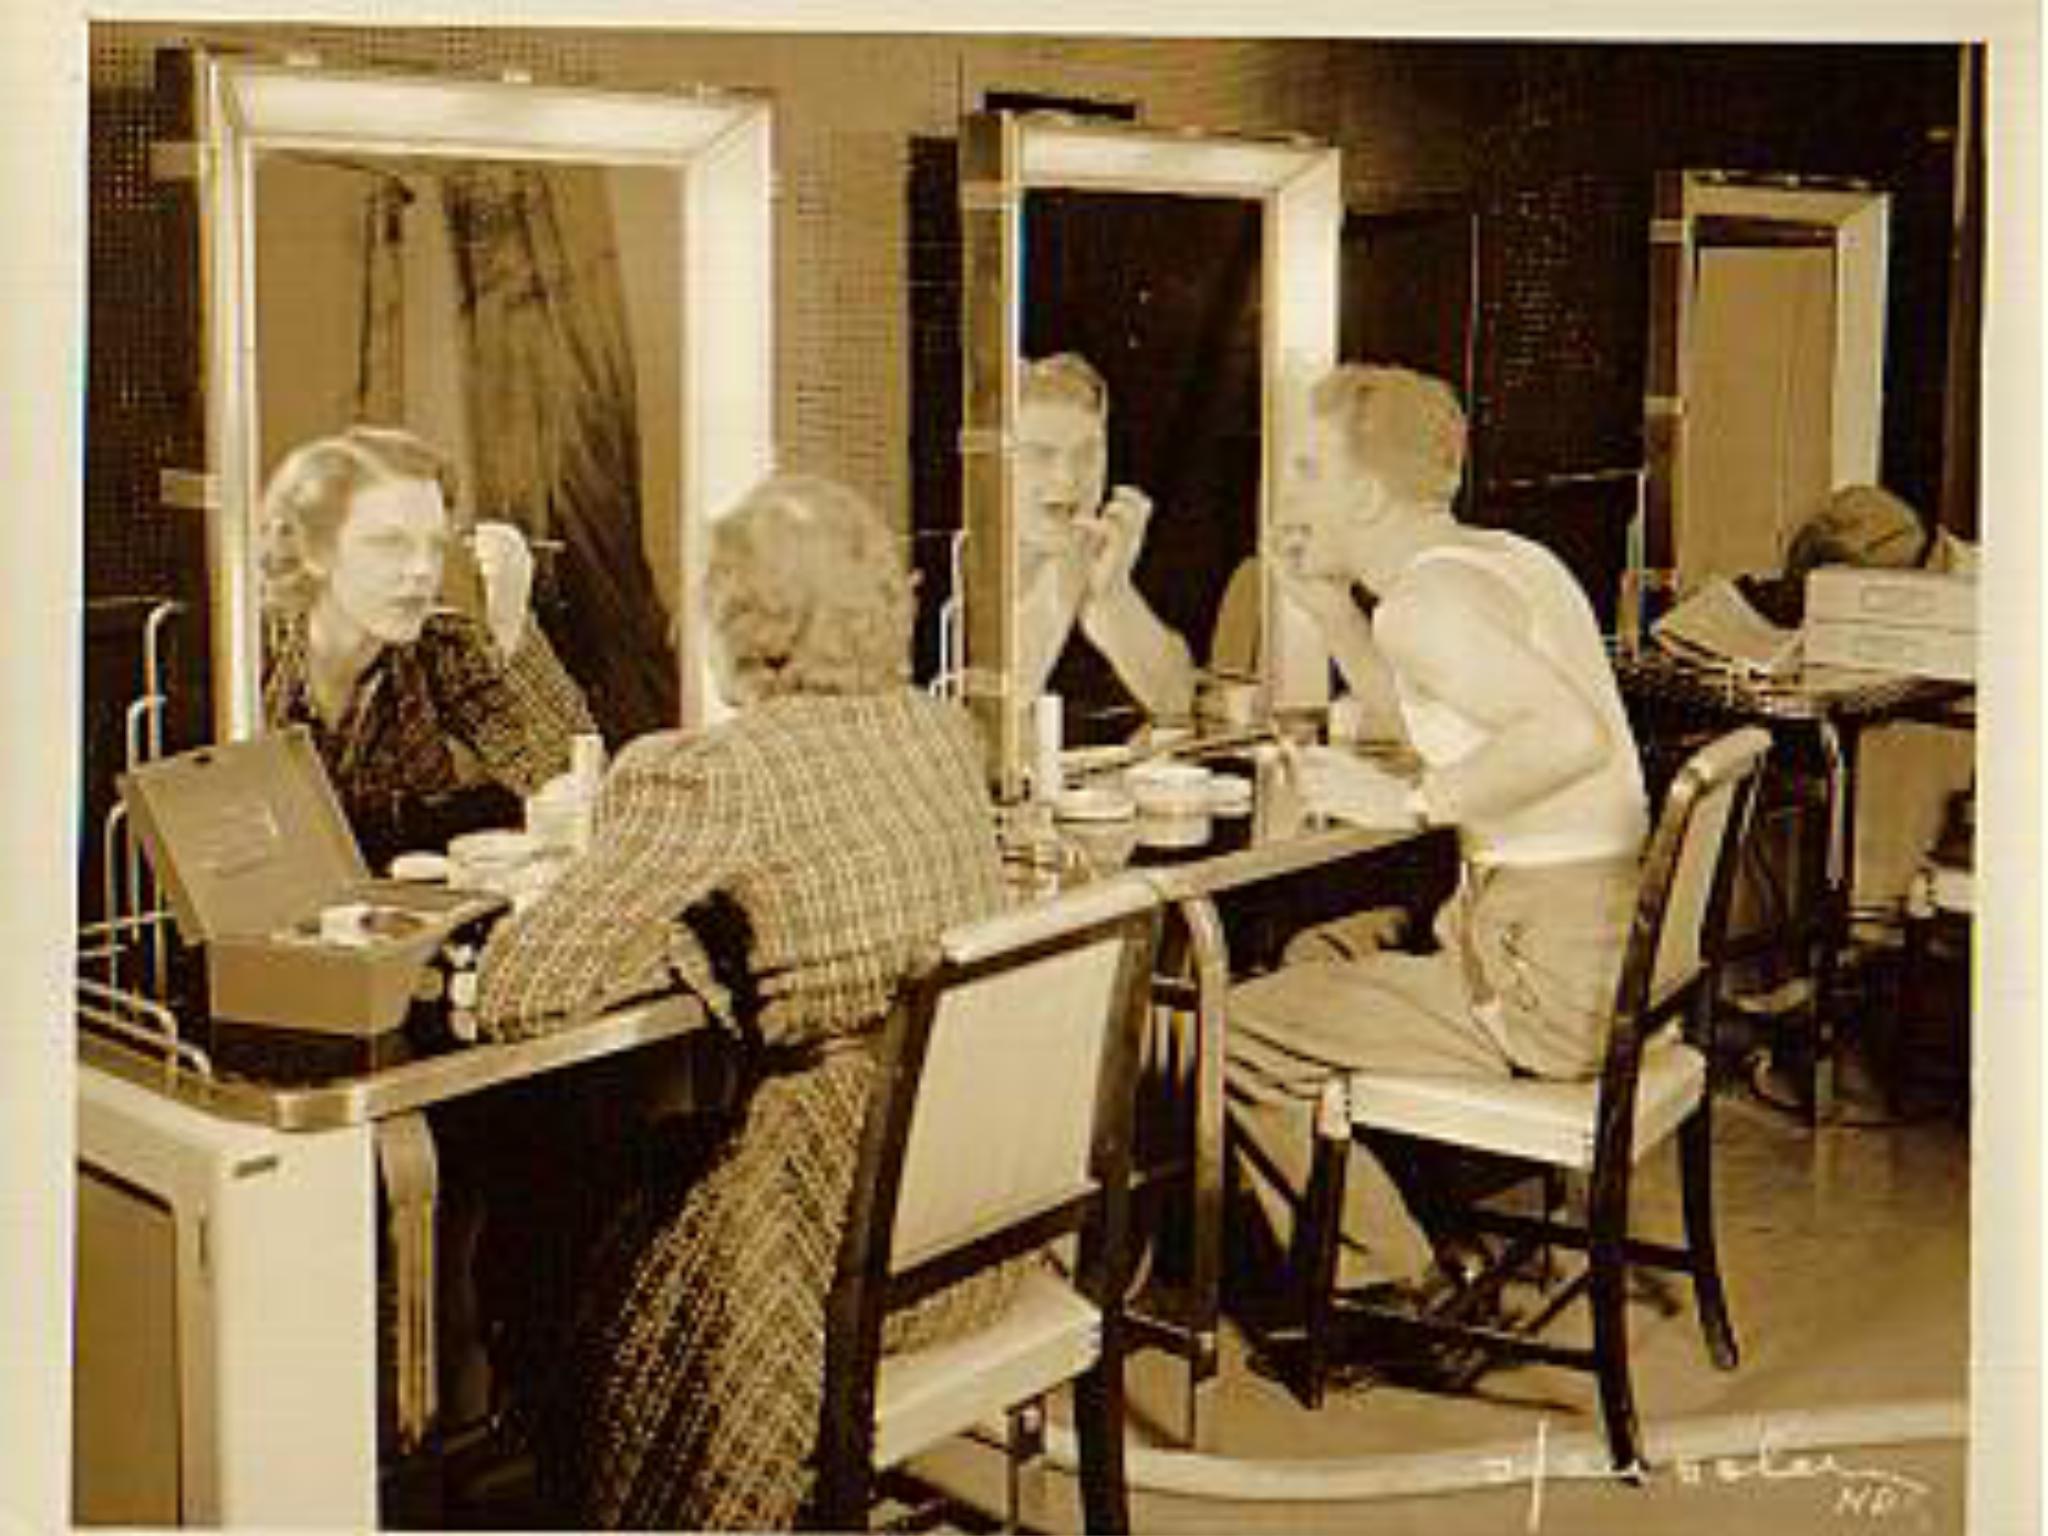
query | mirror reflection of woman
(1078,548)
(429,722)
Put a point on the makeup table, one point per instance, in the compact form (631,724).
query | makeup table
(235,1210)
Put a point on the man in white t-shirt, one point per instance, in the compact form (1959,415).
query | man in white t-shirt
(1483,654)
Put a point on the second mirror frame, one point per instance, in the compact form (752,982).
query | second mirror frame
(1298,187)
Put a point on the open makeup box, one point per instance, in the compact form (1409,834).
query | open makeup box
(260,868)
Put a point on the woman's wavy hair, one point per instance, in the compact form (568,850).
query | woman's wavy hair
(308,498)
(1405,427)
(809,592)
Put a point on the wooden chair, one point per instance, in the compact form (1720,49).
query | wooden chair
(1653,1082)
(1001,1123)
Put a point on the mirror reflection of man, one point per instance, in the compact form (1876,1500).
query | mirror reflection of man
(1484,655)
(1078,548)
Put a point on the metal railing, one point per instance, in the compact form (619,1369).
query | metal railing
(129,1001)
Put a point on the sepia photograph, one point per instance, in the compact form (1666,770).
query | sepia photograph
(829,770)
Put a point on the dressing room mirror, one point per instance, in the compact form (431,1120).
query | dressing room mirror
(1160,292)
(566,291)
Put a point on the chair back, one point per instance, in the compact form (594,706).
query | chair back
(1000,1120)
(1676,939)
(1003,1108)
(1688,875)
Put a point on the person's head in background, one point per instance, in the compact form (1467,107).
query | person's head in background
(355,537)
(807,594)
(1062,465)
(1868,526)
(1378,465)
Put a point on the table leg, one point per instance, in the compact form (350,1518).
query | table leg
(1832,923)
(410,1173)
(1211,961)
(1183,1316)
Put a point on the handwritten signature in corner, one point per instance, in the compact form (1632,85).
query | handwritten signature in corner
(1868,1492)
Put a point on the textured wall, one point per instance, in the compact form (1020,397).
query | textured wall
(1553,144)
(1554,148)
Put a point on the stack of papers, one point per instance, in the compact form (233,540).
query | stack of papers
(1718,627)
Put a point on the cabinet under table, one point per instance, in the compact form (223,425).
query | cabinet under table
(232,1326)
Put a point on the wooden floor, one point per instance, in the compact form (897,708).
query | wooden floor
(1847,1254)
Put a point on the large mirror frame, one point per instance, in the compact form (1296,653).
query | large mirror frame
(719,147)
(1299,188)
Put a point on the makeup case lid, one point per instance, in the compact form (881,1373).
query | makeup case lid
(246,836)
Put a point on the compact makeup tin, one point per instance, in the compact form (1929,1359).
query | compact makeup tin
(260,867)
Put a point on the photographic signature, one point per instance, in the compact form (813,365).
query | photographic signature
(1871,1493)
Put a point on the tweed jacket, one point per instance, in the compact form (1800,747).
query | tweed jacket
(845,831)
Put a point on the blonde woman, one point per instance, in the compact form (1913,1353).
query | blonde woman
(786,864)
(429,722)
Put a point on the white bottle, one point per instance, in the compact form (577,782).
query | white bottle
(1277,809)
(1047,728)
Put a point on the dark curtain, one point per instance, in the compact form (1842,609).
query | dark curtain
(554,420)
(380,351)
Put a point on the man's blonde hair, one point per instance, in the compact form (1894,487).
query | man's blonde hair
(1406,428)
(807,586)
(1065,378)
